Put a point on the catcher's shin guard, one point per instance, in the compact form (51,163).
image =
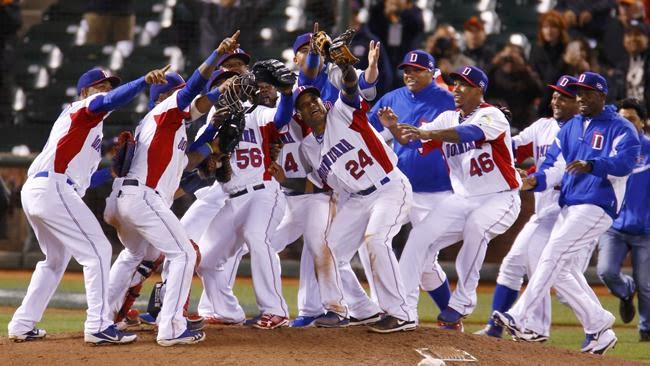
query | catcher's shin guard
(144,271)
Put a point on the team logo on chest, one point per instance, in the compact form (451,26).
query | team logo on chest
(597,140)
(249,136)
(182,144)
(286,138)
(540,151)
(461,148)
(332,156)
(97,143)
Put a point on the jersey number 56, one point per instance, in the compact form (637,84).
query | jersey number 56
(252,157)
(356,168)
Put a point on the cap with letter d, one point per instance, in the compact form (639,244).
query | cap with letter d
(591,80)
(473,76)
(565,85)
(94,77)
(299,91)
(419,59)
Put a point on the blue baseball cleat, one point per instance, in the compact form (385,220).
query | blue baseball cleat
(450,319)
(188,337)
(32,335)
(304,321)
(332,320)
(110,335)
(147,318)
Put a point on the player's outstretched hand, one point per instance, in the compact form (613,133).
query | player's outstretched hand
(277,172)
(529,183)
(157,76)
(410,133)
(387,117)
(522,173)
(579,167)
(229,44)
(373,53)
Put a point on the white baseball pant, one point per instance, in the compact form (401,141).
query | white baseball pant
(144,219)
(65,227)
(476,221)
(560,266)
(373,221)
(252,219)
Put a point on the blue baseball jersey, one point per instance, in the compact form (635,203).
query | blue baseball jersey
(610,143)
(427,173)
(328,92)
(634,217)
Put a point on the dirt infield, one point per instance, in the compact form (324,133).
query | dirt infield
(244,346)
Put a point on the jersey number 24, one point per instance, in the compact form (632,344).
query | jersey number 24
(356,168)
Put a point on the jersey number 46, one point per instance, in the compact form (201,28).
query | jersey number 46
(481,164)
(356,168)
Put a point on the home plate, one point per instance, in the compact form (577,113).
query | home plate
(446,353)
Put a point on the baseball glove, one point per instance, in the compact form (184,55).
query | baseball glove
(121,162)
(230,131)
(273,72)
(224,172)
(320,44)
(339,50)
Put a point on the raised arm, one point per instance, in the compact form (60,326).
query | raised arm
(124,94)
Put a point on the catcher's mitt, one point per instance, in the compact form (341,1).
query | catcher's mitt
(224,172)
(273,72)
(230,131)
(320,44)
(339,51)
(121,162)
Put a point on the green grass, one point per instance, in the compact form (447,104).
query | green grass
(566,332)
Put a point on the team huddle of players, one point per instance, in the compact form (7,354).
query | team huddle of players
(313,160)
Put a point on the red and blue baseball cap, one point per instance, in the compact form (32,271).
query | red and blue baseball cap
(472,75)
(303,90)
(591,80)
(300,41)
(174,81)
(94,77)
(564,85)
(239,53)
(216,77)
(418,58)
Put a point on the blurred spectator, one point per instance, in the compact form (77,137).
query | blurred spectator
(221,18)
(577,58)
(185,23)
(636,68)
(323,12)
(552,38)
(10,22)
(359,47)
(399,26)
(514,84)
(475,43)
(443,46)
(109,21)
(611,48)
(586,17)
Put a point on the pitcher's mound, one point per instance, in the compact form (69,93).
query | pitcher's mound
(245,346)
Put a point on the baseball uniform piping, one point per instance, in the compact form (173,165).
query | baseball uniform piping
(336,271)
(101,264)
(267,242)
(178,244)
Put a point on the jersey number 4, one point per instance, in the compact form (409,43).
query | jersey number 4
(356,168)
(246,157)
(481,164)
(290,164)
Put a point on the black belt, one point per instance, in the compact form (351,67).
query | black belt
(130,182)
(371,189)
(47,174)
(298,193)
(245,190)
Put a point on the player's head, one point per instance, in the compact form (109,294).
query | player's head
(592,92)
(470,83)
(418,66)
(160,92)
(267,94)
(217,78)
(96,81)
(563,102)
(634,111)
(237,61)
(309,105)
(301,49)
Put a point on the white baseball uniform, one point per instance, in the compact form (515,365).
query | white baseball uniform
(356,161)
(251,215)
(142,211)
(485,204)
(528,246)
(64,226)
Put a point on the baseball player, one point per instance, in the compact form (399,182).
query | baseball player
(63,224)
(527,248)
(356,161)
(631,233)
(252,212)
(143,197)
(602,149)
(475,139)
(420,100)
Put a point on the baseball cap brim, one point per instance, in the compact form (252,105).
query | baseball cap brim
(222,76)
(455,75)
(560,90)
(417,66)
(242,56)
(310,89)
(114,80)
(585,86)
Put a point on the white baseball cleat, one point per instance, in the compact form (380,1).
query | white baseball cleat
(599,343)
(32,335)
(110,335)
